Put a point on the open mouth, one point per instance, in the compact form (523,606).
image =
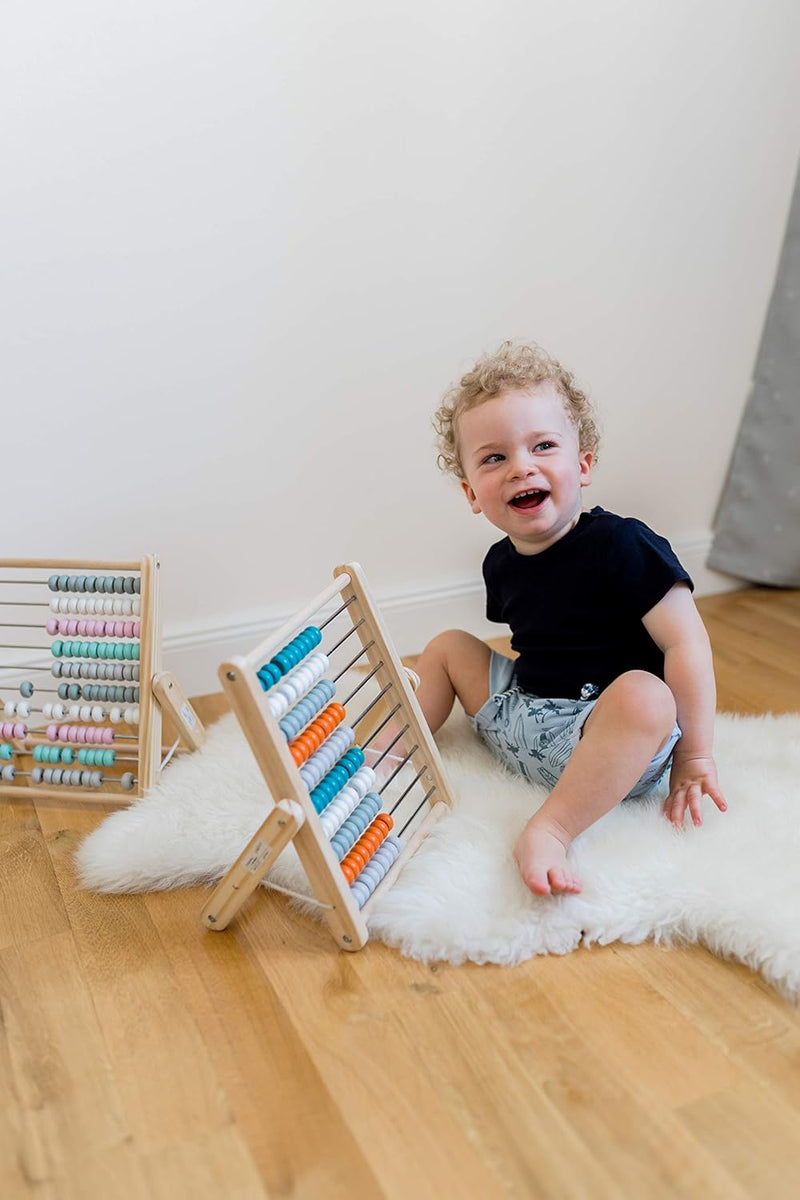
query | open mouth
(527,501)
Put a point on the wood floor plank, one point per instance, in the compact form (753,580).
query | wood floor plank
(622,1123)
(57,1075)
(31,906)
(273,1085)
(412,1141)
(208,1167)
(754,1134)
(163,1071)
(605,998)
(752,1025)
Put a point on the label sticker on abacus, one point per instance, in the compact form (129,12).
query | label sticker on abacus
(257,856)
(189,719)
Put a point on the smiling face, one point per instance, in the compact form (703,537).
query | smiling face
(524,468)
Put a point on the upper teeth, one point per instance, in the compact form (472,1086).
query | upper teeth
(534,492)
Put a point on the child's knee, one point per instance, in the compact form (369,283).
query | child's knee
(453,644)
(644,701)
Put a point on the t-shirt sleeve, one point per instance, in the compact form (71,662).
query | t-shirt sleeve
(644,566)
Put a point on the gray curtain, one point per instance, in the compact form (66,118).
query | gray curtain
(757,533)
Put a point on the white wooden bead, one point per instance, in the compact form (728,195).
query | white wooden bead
(115,715)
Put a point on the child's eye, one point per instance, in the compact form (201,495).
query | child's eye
(493,458)
(544,446)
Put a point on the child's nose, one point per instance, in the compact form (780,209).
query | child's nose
(522,465)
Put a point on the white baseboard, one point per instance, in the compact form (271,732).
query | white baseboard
(412,617)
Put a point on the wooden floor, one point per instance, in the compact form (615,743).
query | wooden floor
(143,1057)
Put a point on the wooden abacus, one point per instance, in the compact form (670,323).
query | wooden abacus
(352,834)
(99,628)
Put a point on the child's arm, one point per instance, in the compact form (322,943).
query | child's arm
(676,627)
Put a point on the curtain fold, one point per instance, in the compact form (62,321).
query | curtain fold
(757,529)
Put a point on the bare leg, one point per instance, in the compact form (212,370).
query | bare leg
(454,665)
(632,719)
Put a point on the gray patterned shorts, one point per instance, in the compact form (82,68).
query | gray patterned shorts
(536,737)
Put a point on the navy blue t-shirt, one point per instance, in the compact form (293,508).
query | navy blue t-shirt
(575,609)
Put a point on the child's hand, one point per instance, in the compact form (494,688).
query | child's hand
(690,779)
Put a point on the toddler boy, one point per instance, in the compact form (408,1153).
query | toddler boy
(614,683)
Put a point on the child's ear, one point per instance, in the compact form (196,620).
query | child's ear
(471,497)
(585,459)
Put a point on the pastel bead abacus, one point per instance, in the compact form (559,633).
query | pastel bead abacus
(352,829)
(80,671)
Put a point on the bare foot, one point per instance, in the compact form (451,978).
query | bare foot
(541,855)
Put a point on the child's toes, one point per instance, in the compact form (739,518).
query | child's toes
(564,881)
(537,880)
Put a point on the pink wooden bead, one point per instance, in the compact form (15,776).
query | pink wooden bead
(52,625)
(108,736)
(52,733)
(20,731)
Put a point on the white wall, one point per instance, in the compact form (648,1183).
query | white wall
(247,245)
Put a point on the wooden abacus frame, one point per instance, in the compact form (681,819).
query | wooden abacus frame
(157,688)
(294,816)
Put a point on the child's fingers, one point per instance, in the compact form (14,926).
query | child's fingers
(675,807)
(694,797)
(718,798)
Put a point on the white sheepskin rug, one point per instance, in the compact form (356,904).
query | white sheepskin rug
(732,884)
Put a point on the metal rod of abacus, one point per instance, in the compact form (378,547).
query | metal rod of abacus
(40,729)
(353,661)
(26,582)
(24,666)
(400,799)
(364,683)
(343,639)
(25,603)
(382,725)
(361,716)
(400,765)
(119,758)
(416,810)
(19,625)
(45,646)
(334,615)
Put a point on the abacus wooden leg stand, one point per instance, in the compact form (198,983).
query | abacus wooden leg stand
(352,833)
(81,679)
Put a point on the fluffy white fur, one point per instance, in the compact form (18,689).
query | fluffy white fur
(733,884)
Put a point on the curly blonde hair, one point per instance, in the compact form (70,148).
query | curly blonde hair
(512,365)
